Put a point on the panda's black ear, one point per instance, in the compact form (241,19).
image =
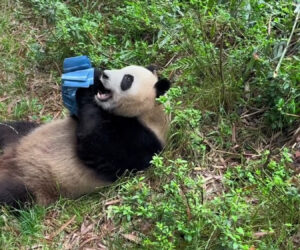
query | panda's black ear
(153,69)
(162,86)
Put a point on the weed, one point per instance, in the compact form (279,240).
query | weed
(217,48)
(181,217)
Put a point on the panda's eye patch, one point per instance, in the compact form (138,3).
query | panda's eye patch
(126,82)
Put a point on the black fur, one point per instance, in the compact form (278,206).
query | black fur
(111,144)
(11,132)
(127,82)
(13,192)
(162,86)
(152,68)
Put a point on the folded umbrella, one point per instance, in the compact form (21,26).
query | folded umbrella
(78,73)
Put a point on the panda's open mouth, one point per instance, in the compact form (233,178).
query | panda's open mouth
(103,94)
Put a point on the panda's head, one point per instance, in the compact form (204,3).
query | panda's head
(130,91)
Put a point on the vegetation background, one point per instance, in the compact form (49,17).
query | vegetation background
(228,178)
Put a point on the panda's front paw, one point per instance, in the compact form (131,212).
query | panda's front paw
(88,118)
(84,96)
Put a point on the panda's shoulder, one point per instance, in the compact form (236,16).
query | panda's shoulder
(136,132)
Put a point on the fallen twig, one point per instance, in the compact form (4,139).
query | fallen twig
(275,74)
(62,228)
(254,113)
(8,126)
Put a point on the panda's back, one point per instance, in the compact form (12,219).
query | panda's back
(50,166)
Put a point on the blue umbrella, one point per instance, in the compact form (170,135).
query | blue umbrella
(78,73)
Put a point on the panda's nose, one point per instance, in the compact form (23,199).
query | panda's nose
(105,76)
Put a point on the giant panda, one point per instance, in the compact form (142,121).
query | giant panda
(119,127)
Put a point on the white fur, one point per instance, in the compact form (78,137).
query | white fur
(140,95)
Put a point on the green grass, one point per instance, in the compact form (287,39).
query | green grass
(24,90)
(226,179)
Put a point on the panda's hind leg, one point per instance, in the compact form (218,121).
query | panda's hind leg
(11,132)
(13,191)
